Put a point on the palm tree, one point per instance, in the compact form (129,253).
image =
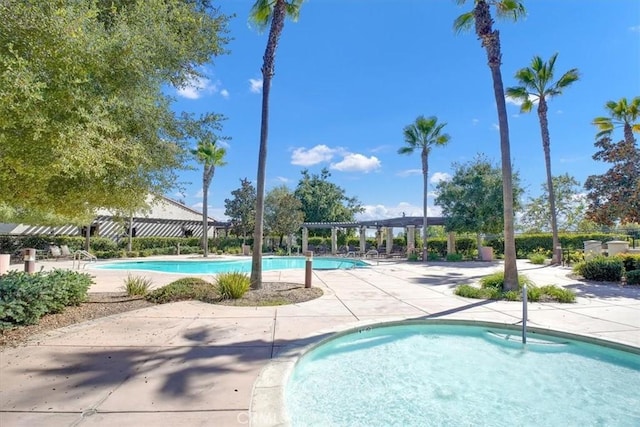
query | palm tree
(490,40)
(262,13)
(211,156)
(622,113)
(536,84)
(422,135)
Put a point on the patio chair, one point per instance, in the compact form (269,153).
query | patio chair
(57,253)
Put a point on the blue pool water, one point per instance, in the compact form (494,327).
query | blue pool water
(453,375)
(243,265)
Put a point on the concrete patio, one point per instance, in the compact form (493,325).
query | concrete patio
(191,363)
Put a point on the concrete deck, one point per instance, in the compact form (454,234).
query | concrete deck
(191,363)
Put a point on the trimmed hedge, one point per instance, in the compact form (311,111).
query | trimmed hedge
(25,298)
(633,277)
(602,269)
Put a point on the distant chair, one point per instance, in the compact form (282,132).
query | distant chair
(57,252)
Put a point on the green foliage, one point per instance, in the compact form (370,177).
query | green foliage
(433,256)
(496,280)
(232,285)
(283,213)
(539,256)
(570,207)
(137,285)
(25,298)
(185,289)
(454,257)
(470,201)
(241,208)
(633,277)
(324,201)
(630,261)
(602,269)
(413,257)
(534,294)
(85,120)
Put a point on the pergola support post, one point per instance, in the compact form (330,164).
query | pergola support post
(305,240)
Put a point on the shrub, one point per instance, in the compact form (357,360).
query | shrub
(185,289)
(557,293)
(630,261)
(233,285)
(602,269)
(496,280)
(454,257)
(137,285)
(25,298)
(469,291)
(537,258)
(633,277)
(433,256)
(412,257)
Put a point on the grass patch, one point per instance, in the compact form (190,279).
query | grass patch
(137,285)
(185,289)
(491,288)
(233,285)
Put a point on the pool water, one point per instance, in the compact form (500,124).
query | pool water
(452,375)
(243,265)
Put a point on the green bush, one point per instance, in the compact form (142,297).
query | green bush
(413,257)
(602,269)
(185,289)
(232,285)
(496,280)
(537,258)
(633,277)
(556,293)
(454,257)
(137,285)
(630,261)
(25,298)
(469,291)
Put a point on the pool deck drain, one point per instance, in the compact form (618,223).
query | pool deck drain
(191,363)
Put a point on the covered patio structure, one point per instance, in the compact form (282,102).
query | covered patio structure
(383,227)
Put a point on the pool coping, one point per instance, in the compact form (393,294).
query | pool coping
(267,406)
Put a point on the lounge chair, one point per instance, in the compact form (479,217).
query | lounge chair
(57,252)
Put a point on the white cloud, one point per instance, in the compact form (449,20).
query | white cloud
(357,163)
(439,176)
(224,93)
(318,154)
(495,126)
(197,206)
(373,212)
(635,28)
(559,112)
(196,87)
(212,212)
(409,172)
(200,195)
(255,85)
(282,179)
(475,121)
(380,148)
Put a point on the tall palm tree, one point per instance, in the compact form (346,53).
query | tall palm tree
(422,135)
(536,84)
(211,156)
(480,16)
(621,113)
(262,13)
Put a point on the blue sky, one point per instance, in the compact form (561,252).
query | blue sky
(351,74)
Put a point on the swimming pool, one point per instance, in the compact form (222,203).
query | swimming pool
(421,374)
(242,265)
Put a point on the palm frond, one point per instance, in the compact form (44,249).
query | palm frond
(463,22)
(510,9)
(261,13)
(568,78)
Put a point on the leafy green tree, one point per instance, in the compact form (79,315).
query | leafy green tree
(536,84)
(85,124)
(242,208)
(470,199)
(263,13)
(570,207)
(283,214)
(324,201)
(211,156)
(480,16)
(424,134)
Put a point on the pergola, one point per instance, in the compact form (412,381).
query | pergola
(409,223)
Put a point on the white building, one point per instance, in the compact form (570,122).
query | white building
(165,218)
